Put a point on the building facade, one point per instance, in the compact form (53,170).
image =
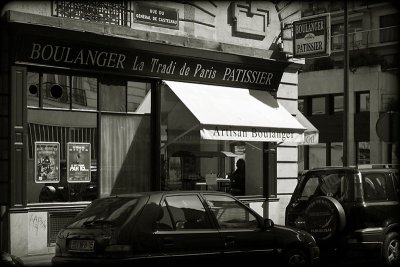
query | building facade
(373,84)
(105,98)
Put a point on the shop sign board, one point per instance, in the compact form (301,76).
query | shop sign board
(47,162)
(254,134)
(176,67)
(156,15)
(311,37)
(78,162)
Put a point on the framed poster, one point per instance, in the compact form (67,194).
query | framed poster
(47,162)
(78,162)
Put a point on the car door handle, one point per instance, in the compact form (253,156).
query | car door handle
(229,241)
(168,241)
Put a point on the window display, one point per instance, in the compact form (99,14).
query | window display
(63,137)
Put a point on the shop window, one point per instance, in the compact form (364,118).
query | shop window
(318,105)
(63,137)
(363,153)
(33,86)
(84,93)
(55,89)
(125,97)
(362,102)
(113,96)
(191,163)
(317,155)
(62,156)
(125,154)
(125,136)
(138,97)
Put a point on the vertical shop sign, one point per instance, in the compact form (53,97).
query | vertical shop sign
(47,162)
(78,162)
(311,37)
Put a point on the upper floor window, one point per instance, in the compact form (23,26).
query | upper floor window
(338,103)
(355,36)
(112,12)
(362,101)
(389,28)
(301,106)
(318,105)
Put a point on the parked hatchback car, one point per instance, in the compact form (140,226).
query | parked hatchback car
(177,228)
(350,209)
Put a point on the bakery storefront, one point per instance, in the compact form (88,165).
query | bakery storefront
(93,116)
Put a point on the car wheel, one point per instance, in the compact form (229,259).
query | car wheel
(324,217)
(296,257)
(391,249)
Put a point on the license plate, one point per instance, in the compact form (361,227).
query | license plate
(81,245)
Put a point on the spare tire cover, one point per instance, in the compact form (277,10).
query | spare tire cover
(324,217)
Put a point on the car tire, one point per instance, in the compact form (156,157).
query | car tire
(295,257)
(324,218)
(391,249)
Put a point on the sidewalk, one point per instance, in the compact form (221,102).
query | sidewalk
(37,260)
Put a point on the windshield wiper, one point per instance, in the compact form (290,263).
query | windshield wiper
(97,222)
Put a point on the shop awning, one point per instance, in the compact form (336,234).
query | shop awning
(311,135)
(227,113)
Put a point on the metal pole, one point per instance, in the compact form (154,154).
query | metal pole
(345,88)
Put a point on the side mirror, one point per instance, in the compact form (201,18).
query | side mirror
(268,223)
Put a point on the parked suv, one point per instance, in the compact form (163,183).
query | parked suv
(348,208)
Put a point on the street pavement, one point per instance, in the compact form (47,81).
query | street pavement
(37,260)
(45,261)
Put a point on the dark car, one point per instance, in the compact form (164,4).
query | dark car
(350,210)
(177,228)
(7,259)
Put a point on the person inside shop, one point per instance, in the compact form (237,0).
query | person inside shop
(238,178)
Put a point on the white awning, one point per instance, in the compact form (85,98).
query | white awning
(227,113)
(311,135)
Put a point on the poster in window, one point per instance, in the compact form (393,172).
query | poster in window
(47,162)
(78,162)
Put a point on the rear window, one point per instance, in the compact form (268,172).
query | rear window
(332,184)
(108,211)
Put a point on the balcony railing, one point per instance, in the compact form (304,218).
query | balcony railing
(367,38)
(113,12)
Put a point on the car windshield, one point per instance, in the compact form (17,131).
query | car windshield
(107,212)
(332,184)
